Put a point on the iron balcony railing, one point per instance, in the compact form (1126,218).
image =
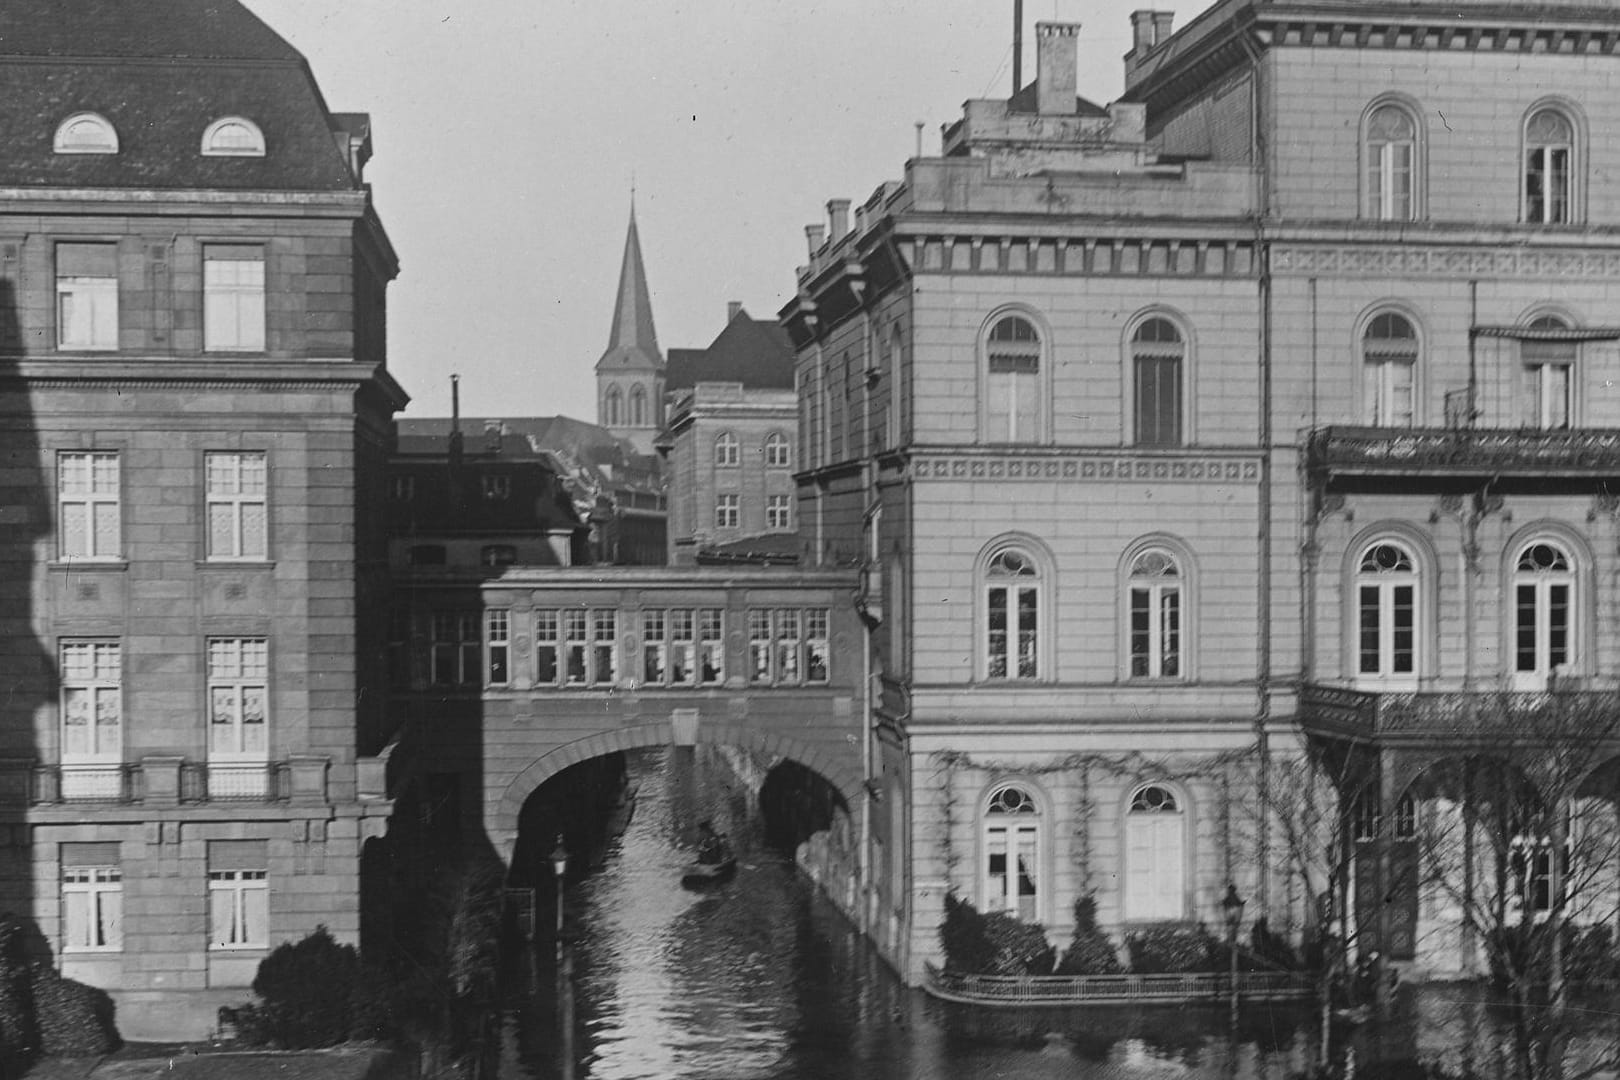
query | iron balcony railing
(1463,451)
(1014,990)
(129,782)
(1463,714)
(258,783)
(116,783)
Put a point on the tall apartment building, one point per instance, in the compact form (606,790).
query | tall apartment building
(197,414)
(729,443)
(1264,409)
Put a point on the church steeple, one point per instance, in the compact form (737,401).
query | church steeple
(630,374)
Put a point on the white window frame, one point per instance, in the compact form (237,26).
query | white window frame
(497,647)
(1393,582)
(97,293)
(240,900)
(94,924)
(727,451)
(233,300)
(1015,372)
(1542,158)
(70,135)
(1383,167)
(1384,364)
(789,646)
(727,511)
(1157,583)
(238,484)
(238,671)
(221,138)
(92,672)
(1014,652)
(580,646)
(88,485)
(1144,353)
(778,451)
(778,512)
(1155,886)
(1011,837)
(1544,585)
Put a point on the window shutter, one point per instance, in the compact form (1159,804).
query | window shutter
(238,854)
(100,853)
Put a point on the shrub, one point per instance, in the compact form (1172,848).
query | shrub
(1090,952)
(74,1020)
(19,1034)
(311,994)
(993,944)
(1174,947)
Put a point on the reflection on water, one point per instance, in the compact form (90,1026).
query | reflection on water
(759,978)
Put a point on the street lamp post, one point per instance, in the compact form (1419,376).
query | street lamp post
(559,871)
(1232,907)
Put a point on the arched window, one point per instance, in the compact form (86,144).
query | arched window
(1549,168)
(638,406)
(1155,855)
(1391,162)
(1549,375)
(777,454)
(233,136)
(1543,612)
(892,413)
(1012,381)
(1012,614)
(613,407)
(727,450)
(1386,612)
(1155,615)
(86,133)
(1389,353)
(1158,356)
(1012,843)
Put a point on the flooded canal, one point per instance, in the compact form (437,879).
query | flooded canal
(760,977)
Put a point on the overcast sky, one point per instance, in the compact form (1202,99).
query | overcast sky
(507,133)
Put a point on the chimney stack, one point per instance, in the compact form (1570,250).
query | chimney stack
(1161,26)
(1056,59)
(837,219)
(1141,31)
(815,236)
(733,309)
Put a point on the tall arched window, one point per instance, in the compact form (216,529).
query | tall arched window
(1155,855)
(1158,356)
(1012,381)
(1389,353)
(776,451)
(1547,390)
(1549,168)
(1155,615)
(638,406)
(1012,844)
(1012,614)
(1386,612)
(1391,162)
(613,407)
(727,451)
(1543,611)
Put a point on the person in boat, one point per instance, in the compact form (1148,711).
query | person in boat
(712,846)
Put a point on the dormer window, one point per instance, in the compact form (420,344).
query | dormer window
(233,136)
(86,133)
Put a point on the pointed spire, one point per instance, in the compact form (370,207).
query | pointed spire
(632,342)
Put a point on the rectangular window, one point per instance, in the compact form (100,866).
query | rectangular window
(789,646)
(1389,180)
(497,487)
(92,898)
(497,646)
(548,646)
(233,298)
(238,894)
(759,646)
(238,520)
(1158,401)
(1014,390)
(711,646)
(654,650)
(682,669)
(456,649)
(1546,390)
(88,508)
(92,702)
(604,647)
(238,718)
(727,511)
(87,296)
(574,647)
(777,512)
(815,645)
(1546,185)
(1011,623)
(1155,632)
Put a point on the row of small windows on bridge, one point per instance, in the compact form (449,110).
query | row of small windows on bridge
(92,133)
(582,647)
(1394,173)
(1390,611)
(1016,398)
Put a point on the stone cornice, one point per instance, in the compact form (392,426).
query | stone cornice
(1454,261)
(1099,465)
(26,200)
(961,251)
(211,374)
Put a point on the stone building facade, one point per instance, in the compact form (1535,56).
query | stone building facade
(1181,437)
(197,407)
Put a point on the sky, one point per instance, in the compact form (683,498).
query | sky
(508,133)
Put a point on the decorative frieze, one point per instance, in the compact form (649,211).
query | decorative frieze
(1409,260)
(1093,467)
(1090,256)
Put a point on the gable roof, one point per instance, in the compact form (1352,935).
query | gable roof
(160,71)
(757,354)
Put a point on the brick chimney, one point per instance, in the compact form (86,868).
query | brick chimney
(1162,21)
(815,236)
(837,219)
(1056,57)
(1141,31)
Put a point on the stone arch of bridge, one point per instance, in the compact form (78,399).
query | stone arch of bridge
(838,764)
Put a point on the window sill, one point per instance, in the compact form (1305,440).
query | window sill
(236,564)
(80,565)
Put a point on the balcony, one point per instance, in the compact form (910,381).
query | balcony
(166,781)
(1579,453)
(1496,717)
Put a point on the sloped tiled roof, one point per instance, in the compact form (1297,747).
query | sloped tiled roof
(757,354)
(160,71)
